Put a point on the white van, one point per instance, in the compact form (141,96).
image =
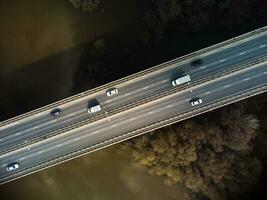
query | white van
(181,80)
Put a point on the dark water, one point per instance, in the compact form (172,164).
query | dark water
(30,32)
(104,175)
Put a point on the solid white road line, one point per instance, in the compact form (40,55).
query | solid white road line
(207,92)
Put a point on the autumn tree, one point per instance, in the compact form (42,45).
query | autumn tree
(86,5)
(211,156)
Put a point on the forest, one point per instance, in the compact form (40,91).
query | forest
(218,155)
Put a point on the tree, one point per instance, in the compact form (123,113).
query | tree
(212,157)
(86,5)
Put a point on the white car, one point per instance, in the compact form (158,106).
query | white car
(195,101)
(12,166)
(94,109)
(112,92)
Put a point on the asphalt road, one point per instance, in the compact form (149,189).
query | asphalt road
(130,92)
(112,126)
(141,116)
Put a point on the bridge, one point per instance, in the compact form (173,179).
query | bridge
(231,71)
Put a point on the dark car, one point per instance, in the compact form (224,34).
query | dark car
(197,62)
(55,112)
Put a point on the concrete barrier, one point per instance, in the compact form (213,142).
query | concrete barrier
(217,47)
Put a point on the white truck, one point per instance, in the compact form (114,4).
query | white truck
(181,80)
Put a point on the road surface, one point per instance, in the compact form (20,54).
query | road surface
(111,124)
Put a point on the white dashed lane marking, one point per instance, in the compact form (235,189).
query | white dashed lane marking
(262,46)
(169,106)
(113,125)
(242,53)
(145,88)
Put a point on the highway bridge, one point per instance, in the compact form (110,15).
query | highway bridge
(231,71)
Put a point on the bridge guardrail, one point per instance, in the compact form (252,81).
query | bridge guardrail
(126,136)
(136,75)
(150,98)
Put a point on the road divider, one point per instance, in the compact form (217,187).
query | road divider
(211,49)
(114,140)
(109,112)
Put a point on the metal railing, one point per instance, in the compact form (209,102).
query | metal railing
(136,103)
(136,75)
(137,132)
